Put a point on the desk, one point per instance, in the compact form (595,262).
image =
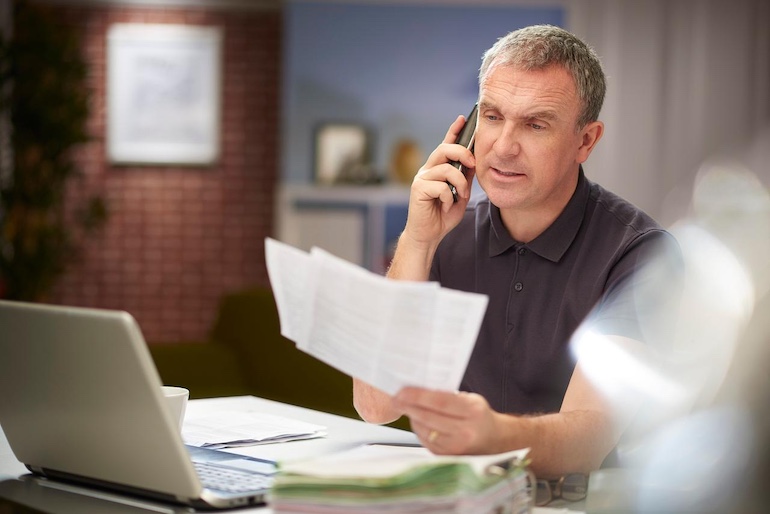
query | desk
(343,433)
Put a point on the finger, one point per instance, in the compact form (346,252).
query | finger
(436,438)
(454,129)
(446,152)
(420,429)
(459,179)
(442,403)
(442,172)
(468,174)
(423,422)
(448,173)
(438,189)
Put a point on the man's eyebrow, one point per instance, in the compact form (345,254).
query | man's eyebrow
(541,115)
(546,115)
(486,105)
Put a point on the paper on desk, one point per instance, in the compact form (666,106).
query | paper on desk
(381,478)
(387,333)
(382,461)
(228,429)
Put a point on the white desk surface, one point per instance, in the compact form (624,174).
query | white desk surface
(343,433)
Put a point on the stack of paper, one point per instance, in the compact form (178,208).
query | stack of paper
(229,429)
(387,333)
(381,478)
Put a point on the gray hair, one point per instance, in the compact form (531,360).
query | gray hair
(540,46)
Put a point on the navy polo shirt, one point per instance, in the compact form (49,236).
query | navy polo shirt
(540,292)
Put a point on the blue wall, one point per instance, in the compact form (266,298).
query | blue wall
(403,71)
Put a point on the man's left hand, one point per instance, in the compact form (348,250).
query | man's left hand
(451,423)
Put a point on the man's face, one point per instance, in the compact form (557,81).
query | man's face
(527,146)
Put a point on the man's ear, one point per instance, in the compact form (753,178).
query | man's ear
(590,135)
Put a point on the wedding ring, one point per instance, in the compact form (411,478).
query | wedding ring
(432,436)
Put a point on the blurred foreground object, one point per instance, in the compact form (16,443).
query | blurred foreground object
(701,441)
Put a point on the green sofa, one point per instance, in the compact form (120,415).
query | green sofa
(246,354)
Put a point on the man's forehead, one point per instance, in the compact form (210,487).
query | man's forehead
(545,90)
(554,77)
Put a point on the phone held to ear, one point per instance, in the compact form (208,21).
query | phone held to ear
(466,139)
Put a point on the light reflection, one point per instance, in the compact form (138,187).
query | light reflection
(695,463)
(624,376)
(733,204)
(694,400)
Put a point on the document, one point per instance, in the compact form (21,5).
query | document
(382,461)
(381,478)
(230,429)
(388,333)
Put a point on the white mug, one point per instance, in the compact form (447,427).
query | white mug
(176,399)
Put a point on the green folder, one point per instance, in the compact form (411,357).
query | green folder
(403,479)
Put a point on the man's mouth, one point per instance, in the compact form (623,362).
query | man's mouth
(504,173)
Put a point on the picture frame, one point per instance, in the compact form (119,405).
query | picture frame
(163,94)
(342,154)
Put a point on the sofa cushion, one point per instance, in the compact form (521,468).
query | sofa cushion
(274,367)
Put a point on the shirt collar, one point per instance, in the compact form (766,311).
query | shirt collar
(554,241)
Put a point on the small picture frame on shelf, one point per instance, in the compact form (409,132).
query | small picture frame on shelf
(342,154)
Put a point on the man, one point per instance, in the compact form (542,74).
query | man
(545,244)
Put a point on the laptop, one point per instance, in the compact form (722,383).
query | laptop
(81,402)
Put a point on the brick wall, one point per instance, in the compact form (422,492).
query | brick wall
(179,237)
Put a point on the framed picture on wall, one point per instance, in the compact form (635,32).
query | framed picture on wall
(342,154)
(163,94)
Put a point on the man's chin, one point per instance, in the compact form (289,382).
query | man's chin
(505,200)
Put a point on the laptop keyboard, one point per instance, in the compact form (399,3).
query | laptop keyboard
(230,480)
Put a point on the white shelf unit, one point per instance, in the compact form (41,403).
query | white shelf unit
(357,223)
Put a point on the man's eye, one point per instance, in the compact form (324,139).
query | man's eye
(536,126)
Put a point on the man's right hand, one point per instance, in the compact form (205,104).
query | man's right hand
(432,209)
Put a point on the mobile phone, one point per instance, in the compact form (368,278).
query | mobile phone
(465,138)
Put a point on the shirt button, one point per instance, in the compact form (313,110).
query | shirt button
(518,286)
(522,251)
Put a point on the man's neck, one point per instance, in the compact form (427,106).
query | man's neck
(525,226)
(527,223)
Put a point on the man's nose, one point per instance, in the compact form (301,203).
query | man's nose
(507,142)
